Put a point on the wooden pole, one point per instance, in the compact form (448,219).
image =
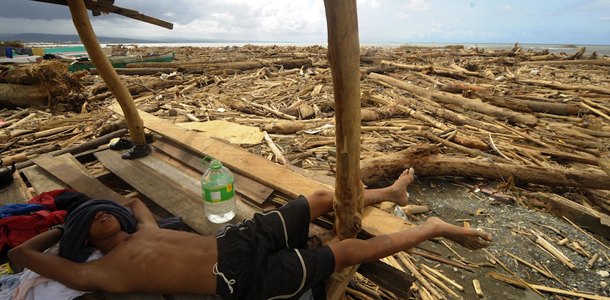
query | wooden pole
(344,58)
(106,71)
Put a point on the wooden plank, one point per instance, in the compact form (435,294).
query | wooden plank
(16,192)
(581,215)
(250,165)
(242,162)
(74,177)
(169,188)
(247,187)
(43,181)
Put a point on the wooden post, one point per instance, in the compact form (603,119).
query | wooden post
(344,58)
(106,71)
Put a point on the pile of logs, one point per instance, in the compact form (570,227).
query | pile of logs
(519,117)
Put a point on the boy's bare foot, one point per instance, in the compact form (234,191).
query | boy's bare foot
(398,190)
(471,238)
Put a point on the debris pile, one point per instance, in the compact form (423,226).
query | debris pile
(534,124)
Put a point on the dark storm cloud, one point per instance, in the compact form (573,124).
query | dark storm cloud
(177,11)
(172,11)
(33,10)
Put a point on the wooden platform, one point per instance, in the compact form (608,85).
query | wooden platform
(170,177)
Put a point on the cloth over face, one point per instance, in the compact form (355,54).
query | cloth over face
(78,223)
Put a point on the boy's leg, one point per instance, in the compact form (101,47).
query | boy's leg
(321,202)
(354,251)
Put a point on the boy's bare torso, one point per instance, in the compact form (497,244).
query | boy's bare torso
(159,261)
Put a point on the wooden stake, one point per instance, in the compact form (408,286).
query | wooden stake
(107,72)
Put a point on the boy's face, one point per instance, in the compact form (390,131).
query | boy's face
(103,225)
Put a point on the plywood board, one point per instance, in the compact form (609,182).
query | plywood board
(234,133)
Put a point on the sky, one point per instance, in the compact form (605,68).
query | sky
(579,22)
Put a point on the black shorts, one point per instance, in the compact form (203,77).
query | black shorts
(267,257)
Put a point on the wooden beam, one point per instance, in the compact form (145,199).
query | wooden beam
(344,58)
(107,6)
(107,72)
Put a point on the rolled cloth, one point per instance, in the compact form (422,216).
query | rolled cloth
(78,223)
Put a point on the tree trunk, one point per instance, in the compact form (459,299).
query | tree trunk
(15,95)
(102,64)
(427,163)
(344,58)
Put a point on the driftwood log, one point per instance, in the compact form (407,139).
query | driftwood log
(427,163)
(447,98)
(15,95)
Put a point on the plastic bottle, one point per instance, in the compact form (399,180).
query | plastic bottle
(218,191)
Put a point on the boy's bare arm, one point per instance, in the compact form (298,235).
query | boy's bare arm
(141,213)
(30,255)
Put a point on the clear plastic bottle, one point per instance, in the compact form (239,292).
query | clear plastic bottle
(218,191)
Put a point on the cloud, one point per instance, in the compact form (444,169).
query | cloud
(418,5)
(506,7)
(369,3)
(402,16)
(604,18)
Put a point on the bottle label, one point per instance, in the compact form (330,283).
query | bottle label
(219,195)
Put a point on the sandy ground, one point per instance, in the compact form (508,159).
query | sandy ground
(455,204)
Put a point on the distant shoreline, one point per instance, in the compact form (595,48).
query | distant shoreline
(601,50)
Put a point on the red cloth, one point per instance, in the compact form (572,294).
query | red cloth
(48,198)
(18,229)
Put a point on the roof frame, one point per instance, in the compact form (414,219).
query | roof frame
(99,6)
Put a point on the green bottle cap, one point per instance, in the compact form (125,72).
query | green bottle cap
(213,164)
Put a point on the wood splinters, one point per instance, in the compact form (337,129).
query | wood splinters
(477,288)
(593,261)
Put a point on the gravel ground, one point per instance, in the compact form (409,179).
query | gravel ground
(507,223)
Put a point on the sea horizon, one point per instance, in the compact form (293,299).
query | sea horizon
(601,50)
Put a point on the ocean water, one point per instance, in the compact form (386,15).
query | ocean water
(601,50)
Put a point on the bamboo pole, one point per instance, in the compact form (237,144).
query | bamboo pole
(344,58)
(106,71)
